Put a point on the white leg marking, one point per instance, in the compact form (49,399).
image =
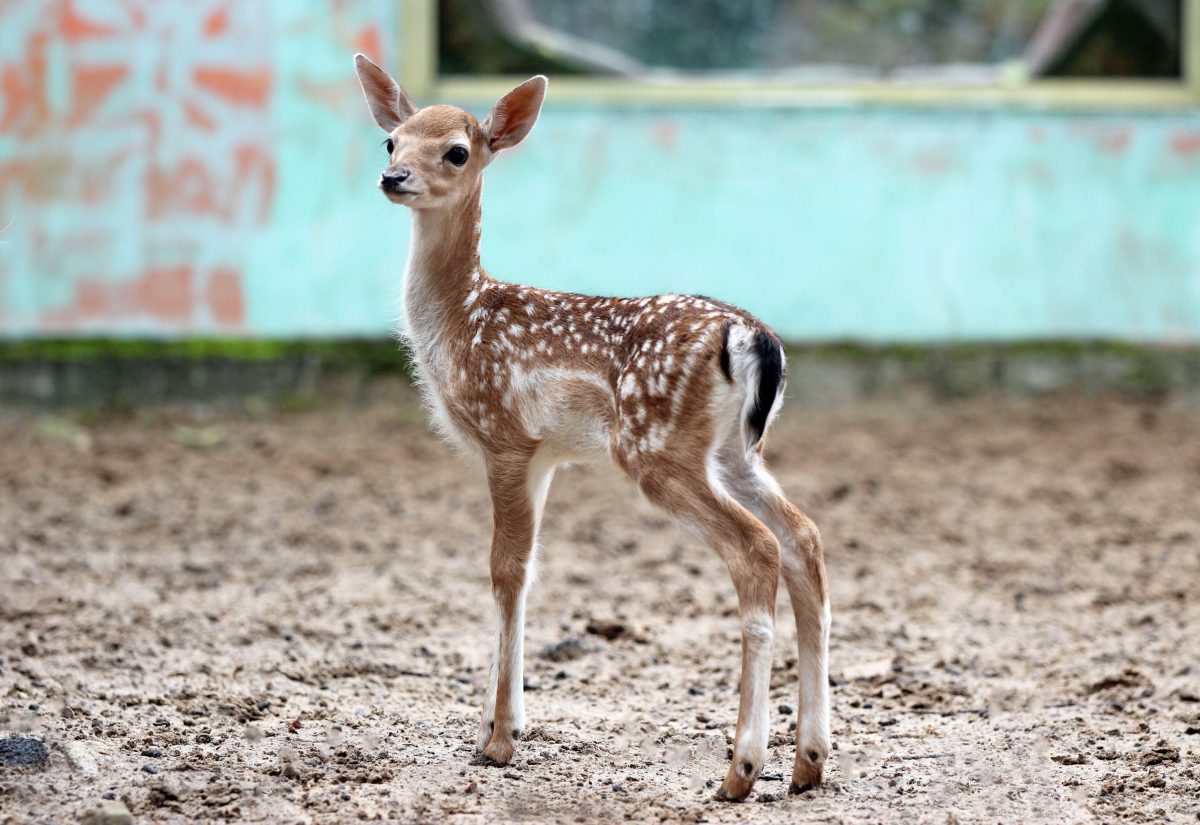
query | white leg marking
(758,633)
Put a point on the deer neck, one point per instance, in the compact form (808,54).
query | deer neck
(443,269)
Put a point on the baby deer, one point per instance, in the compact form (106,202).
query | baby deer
(677,390)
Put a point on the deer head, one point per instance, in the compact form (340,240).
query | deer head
(436,155)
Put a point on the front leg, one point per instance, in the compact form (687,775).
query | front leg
(518,486)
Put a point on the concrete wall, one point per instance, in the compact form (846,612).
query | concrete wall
(177,168)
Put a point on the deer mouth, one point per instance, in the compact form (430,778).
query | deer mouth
(398,194)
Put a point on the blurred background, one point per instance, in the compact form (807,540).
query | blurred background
(893,172)
(242,581)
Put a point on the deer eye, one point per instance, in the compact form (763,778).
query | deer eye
(457,155)
(391,146)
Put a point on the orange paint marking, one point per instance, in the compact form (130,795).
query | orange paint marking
(238,86)
(225,298)
(92,85)
(75,26)
(1184,143)
(217,23)
(165,294)
(369,43)
(197,117)
(1115,142)
(253,165)
(187,188)
(24,88)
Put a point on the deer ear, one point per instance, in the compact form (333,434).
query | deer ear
(515,114)
(389,104)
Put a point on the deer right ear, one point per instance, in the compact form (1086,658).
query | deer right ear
(389,104)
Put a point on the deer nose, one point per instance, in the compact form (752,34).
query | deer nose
(393,178)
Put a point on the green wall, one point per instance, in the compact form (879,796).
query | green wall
(188,173)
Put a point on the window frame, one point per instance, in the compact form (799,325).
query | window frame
(419,75)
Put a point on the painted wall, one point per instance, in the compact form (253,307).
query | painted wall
(208,167)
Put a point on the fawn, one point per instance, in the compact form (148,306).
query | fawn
(677,390)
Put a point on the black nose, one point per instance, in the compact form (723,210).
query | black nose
(392,180)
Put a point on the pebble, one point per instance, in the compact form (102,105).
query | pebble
(110,813)
(607,629)
(83,754)
(149,769)
(786,710)
(153,753)
(565,651)
(22,752)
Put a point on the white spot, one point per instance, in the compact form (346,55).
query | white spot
(629,385)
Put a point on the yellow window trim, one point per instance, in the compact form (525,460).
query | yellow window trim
(418,74)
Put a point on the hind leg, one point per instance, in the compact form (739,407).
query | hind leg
(751,553)
(803,570)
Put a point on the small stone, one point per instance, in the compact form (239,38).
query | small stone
(607,629)
(110,813)
(565,651)
(1070,759)
(149,769)
(163,792)
(153,753)
(82,754)
(22,752)
(785,710)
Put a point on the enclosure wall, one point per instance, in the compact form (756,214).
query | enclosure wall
(181,168)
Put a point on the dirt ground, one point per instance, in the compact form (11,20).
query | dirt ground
(286,618)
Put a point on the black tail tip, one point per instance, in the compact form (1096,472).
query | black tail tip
(771,369)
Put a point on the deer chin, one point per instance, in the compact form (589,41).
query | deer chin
(404,198)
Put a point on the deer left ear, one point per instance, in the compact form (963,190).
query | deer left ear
(515,114)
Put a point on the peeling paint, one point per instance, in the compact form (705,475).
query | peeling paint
(174,168)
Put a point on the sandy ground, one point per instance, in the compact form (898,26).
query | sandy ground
(286,618)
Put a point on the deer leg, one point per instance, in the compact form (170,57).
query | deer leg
(518,487)
(751,553)
(803,570)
